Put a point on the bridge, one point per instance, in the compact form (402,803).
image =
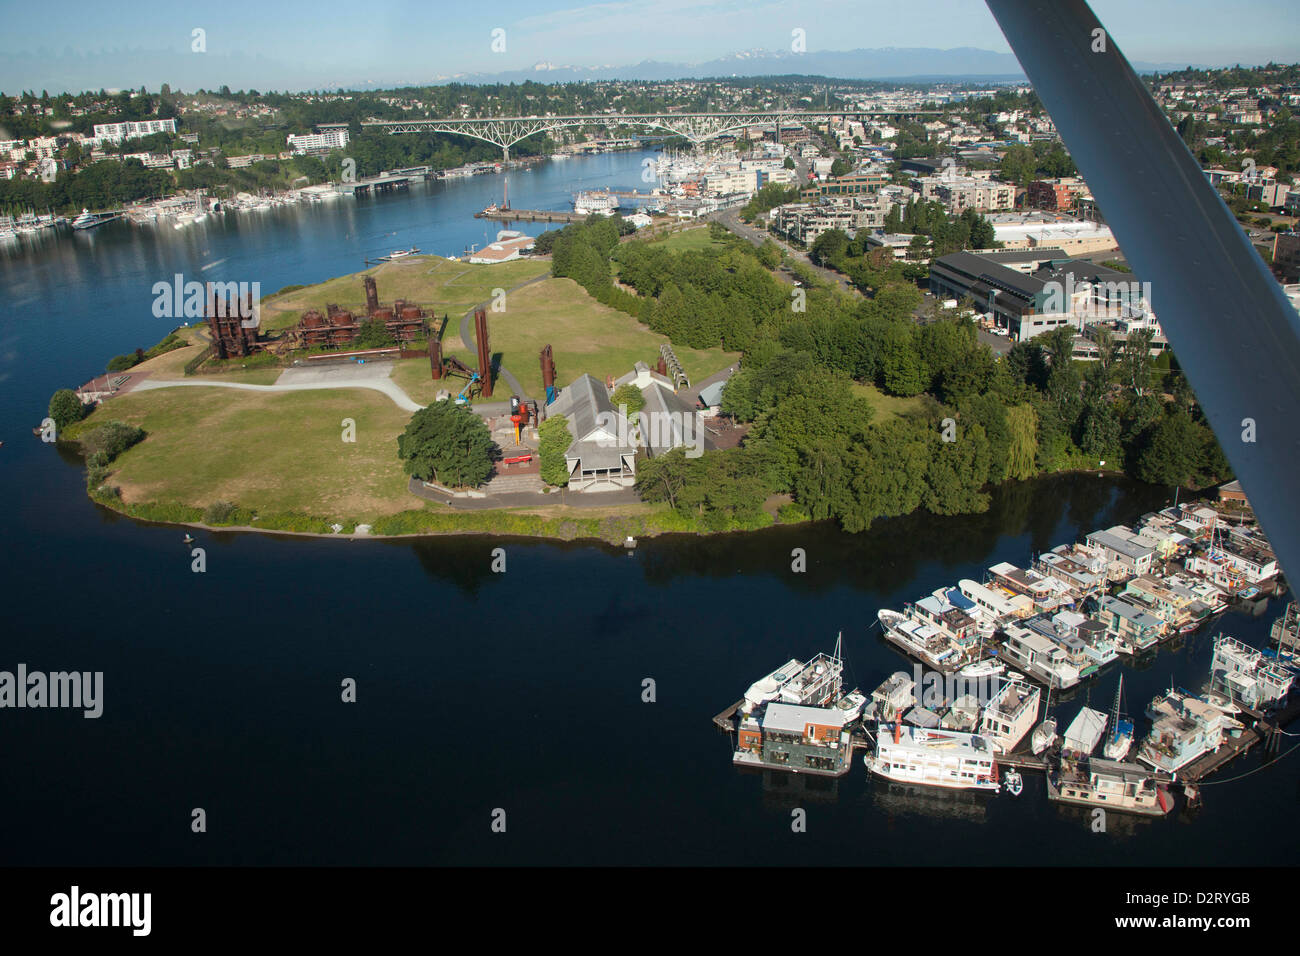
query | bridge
(506,131)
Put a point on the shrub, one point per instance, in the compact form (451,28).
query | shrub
(120,363)
(66,408)
(110,439)
(219,512)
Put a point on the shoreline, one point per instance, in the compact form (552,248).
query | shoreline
(553,527)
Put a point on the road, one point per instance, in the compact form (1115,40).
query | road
(731,219)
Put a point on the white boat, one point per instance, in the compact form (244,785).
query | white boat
(989,667)
(87,220)
(1014,783)
(933,758)
(1119,738)
(1044,736)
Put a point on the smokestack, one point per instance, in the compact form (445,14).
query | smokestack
(372,296)
(484,351)
(435,359)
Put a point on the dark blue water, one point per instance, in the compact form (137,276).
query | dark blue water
(477,691)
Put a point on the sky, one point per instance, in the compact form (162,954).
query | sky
(314,44)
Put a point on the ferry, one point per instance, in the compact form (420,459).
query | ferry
(934,758)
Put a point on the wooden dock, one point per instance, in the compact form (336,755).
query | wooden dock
(723,720)
(530,215)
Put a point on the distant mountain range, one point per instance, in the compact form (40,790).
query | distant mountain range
(921,64)
(132,68)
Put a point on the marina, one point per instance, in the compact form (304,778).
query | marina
(1059,626)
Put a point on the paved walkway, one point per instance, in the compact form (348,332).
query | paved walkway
(371,375)
(528,499)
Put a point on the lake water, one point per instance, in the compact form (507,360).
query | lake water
(477,691)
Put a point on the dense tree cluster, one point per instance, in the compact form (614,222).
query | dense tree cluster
(448,443)
(974,419)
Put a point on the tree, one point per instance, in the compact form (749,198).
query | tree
(630,396)
(66,408)
(555,439)
(447,443)
(1172,453)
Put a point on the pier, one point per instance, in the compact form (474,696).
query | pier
(530,215)
(378,184)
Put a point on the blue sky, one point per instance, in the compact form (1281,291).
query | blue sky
(298,44)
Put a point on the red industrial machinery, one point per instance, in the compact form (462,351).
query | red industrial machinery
(518,415)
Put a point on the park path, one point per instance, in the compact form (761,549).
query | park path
(467,335)
(373,375)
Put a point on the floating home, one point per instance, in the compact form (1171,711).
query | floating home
(1126,787)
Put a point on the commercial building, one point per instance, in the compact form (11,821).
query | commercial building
(1028,295)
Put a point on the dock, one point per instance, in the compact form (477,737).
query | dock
(723,721)
(530,215)
(378,184)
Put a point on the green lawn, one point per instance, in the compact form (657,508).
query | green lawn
(690,240)
(888,407)
(269,452)
(584,336)
(432,282)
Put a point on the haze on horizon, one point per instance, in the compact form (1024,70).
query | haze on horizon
(406,43)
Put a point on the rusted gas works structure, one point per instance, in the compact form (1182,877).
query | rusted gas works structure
(404,320)
(233,323)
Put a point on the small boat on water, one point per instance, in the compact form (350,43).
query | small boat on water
(1044,736)
(1120,738)
(1014,783)
(989,667)
(401,254)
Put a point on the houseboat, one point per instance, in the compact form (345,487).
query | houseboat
(1010,714)
(1039,657)
(797,718)
(1243,675)
(924,642)
(933,758)
(1084,732)
(1184,728)
(1096,782)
